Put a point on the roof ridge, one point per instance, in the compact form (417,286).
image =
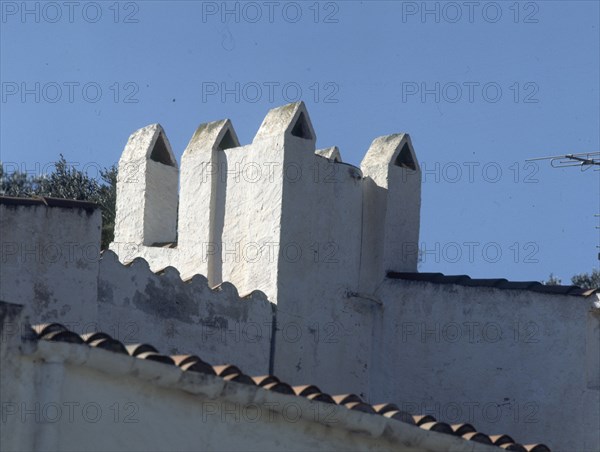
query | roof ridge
(47,201)
(495,283)
(56,332)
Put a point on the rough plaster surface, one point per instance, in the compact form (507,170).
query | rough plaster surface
(393,205)
(506,360)
(246,213)
(73,398)
(332,153)
(327,315)
(49,260)
(146,211)
(137,305)
(276,216)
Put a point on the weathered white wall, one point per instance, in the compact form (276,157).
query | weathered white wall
(316,239)
(253,214)
(59,396)
(506,360)
(183,317)
(49,260)
(16,377)
(248,231)
(201,205)
(321,330)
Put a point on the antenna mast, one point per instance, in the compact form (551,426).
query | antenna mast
(585,160)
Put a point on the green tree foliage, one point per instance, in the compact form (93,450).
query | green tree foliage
(69,183)
(552,280)
(584,280)
(14,184)
(587,280)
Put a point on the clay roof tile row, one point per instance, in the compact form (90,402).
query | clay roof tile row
(56,332)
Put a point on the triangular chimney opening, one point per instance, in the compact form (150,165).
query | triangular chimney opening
(160,152)
(405,159)
(227,142)
(301,128)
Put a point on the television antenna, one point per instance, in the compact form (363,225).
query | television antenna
(598,227)
(585,160)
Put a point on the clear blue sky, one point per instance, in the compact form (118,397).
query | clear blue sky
(479,88)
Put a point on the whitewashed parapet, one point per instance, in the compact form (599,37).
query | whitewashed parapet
(272,214)
(392,206)
(282,217)
(147,184)
(138,305)
(332,153)
(202,195)
(289,121)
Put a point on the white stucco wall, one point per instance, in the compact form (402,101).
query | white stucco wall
(321,330)
(49,260)
(280,267)
(60,396)
(506,360)
(248,231)
(182,317)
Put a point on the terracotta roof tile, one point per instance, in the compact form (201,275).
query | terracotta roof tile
(513,447)
(306,390)
(226,369)
(499,440)
(45,328)
(109,344)
(192,363)
(240,378)
(343,399)
(321,397)
(402,416)
(461,429)
(280,387)
(536,448)
(423,419)
(477,437)
(441,427)
(383,408)
(360,406)
(63,336)
(151,356)
(137,349)
(229,372)
(265,380)
(91,337)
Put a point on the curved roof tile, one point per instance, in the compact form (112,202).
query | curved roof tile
(192,363)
